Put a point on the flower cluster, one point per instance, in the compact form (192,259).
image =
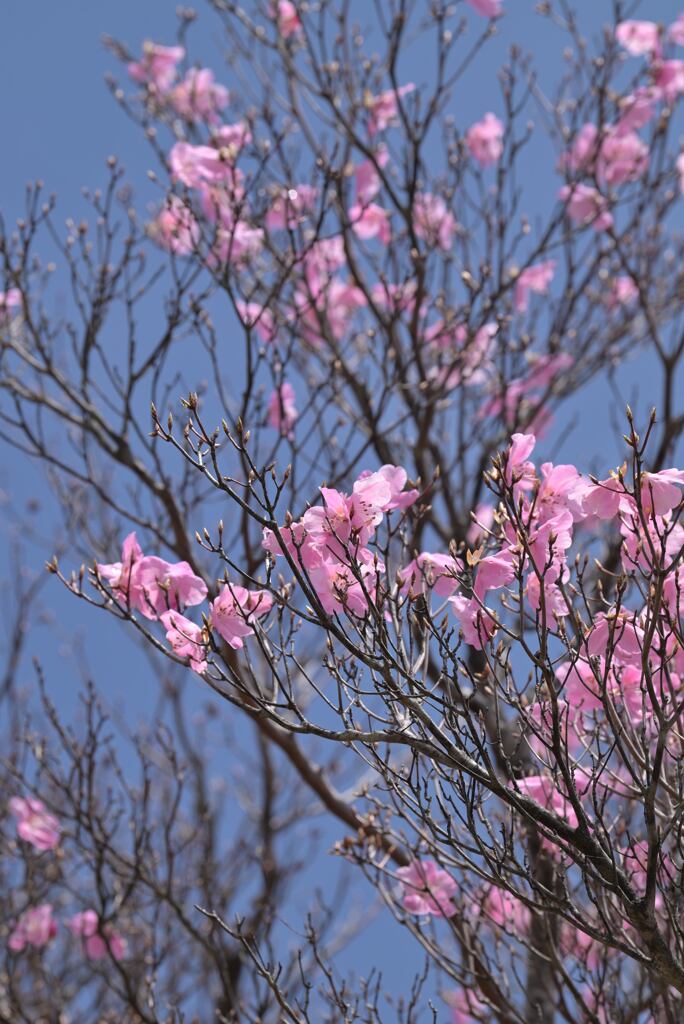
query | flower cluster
(37,926)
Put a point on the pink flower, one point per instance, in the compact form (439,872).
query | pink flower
(483,518)
(488,8)
(290,207)
(542,789)
(477,625)
(35,825)
(8,300)
(237,244)
(282,412)
(198,97)
(621,633)
(430,572)
(582,153)
(433,220)
(395,477)
(680,172)
(175,227)
(465,1003)
(518,468)
(503,909)
(622,157)
(427,889)
(35,927)
(639,37)
(339,589)
(187,639)
(149,584)
(636,109)
(234,611)
(605,498)
(158,65)
(384,108)
(536,278)
(676,31)
(97,941)
(669,79)
(287,18)
(368,181)
(622,292)
(579,686)
(585,205)
(493,572)
(484,139)
(197,165)
(660,492)
(258,317)
(370,221)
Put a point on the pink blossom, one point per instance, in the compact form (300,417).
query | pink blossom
(339,589)
(396,479)
(285,13)
(36,927)
(384,108)
(639,37)
(465,1003)
(561,487)
(430,571)
(150,584)
(370,221)
(542,789)
(579,686)
(503,909)
(282,412)
(621,632)
(537,279)
(585,205)
(493,572)
(518,469)
(158,65)
(669,79)
(680,171)
(483,519)
(622,157)
(198,97)
(484,139)
(8,300)
(35,824)
(477,624)
(237,244)
(433,220)
(577,944)
(97,941)
(549,540)
(187,639)
(175,227)
(231,138)
(676,31)
(197,165)
(660,492)
(234,611)
(604,498)
(258,317)
(488,8)
(290,207)
(622,291)
(582,153)
(368,181)
(637,109)
(427,889)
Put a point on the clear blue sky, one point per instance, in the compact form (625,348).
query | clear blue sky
(60,124)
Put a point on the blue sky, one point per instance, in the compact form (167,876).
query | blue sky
(60,124)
